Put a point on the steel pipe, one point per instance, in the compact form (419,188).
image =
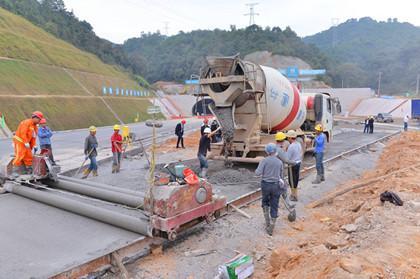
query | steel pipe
(103,194)
(117,219)
(101,185)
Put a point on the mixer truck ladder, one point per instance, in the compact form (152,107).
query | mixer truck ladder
(260,101)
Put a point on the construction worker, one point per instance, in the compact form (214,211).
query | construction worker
(218,136)
(44,135)
(24,141)
(406,118)
(179,131)
(366,129)
(204,125)
(294,153)
(272,185)
(280,138)
(116,143)
(203,147)
(91,144)
(370,122)
(320,141)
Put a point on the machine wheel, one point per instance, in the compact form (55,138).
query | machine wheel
(172,235)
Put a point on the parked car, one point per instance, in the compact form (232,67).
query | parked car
(384,117)
(156,123)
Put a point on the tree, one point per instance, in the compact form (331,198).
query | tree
(54,5)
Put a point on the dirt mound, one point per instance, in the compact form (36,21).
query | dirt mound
(356,235)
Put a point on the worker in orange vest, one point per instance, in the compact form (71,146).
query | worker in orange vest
(25,140)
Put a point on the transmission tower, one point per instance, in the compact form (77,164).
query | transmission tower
(166,28)
(251,13)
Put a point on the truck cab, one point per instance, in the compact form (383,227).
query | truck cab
(321,108)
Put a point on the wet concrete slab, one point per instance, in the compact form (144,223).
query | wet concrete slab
(230,182)
(38,241)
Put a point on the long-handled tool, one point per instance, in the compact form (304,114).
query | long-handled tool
(87,157)
(292,211)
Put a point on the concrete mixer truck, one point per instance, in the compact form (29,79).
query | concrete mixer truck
(252,102)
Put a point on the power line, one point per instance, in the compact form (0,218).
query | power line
(251,13)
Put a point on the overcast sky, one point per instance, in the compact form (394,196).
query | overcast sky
(118,20)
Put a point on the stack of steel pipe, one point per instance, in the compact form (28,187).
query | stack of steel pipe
(101,185)
(105,194)
(125,221)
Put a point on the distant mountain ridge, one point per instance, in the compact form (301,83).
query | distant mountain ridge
(362,48)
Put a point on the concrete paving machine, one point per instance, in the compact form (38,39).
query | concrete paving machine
(253,101)
(171,206)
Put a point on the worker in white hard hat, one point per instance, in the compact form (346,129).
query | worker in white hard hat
(320,141)
(272,185)
(294,153)
(116,143)
(91,144)
(203,147)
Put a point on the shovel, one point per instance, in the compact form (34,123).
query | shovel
(87,157)
(292,212)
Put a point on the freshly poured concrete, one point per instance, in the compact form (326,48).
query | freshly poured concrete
(37,241)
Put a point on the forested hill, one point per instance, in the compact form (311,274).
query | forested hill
(179,56)
(363,48)
(53,17)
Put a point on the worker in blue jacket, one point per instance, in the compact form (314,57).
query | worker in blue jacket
(44,135)
(320,141)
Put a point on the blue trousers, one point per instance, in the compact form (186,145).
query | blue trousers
(93,164)
(366,130)
(319,157)
(405,126)
(271,192)
(203,161)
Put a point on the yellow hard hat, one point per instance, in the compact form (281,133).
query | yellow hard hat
(280,136)
(318,128)
(117,127)
(92,129)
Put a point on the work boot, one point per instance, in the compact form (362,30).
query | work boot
(317,180)
(203,172)
(293,195)
(266,210)
(118,168)
(94,173)
(86,173)
(322,177)
(114,169)
(270,229)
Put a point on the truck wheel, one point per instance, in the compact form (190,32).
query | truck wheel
(172,235)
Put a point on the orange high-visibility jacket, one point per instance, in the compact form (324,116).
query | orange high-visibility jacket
(26,132)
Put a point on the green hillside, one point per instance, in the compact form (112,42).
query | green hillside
(35,63)
(362,48)
(177,57)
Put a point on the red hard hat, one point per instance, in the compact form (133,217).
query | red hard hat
(43,121)
(38,114)
(183,121)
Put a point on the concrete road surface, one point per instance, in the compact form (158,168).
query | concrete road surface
(68,145)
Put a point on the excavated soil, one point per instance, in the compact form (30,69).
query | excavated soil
(355,235)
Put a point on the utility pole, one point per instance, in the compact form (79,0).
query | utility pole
(379,84)
(251,13)
(417,85)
